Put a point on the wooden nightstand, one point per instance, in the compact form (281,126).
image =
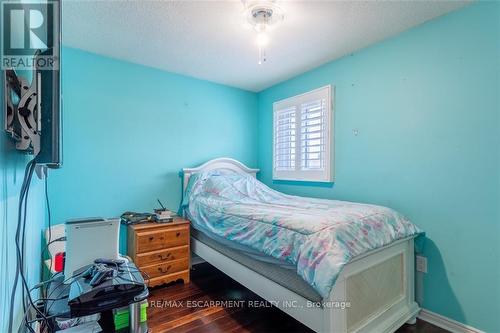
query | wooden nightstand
(161,250)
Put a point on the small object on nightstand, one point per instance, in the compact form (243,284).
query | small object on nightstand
(164,215)
(161,250)
(164,220)
(129,218)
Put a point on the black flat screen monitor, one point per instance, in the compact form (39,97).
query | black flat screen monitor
(51,127)
(32,93)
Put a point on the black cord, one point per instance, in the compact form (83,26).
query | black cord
(64,281)
(60,239)
(23,237)
(19,219)
(25,319)
(35,320)
(39,285)
(60,284)
(20,251)
(21,254)
(49,240)
(52,299)
(24,286)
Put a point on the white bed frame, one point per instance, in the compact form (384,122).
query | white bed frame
(379,285)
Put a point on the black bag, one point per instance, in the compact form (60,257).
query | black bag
(128,218)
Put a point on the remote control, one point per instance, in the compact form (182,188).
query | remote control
(101,275)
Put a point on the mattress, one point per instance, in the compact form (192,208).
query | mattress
(285,277)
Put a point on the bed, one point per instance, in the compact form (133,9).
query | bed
(372,291)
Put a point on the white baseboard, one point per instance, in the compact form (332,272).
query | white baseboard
(446,323)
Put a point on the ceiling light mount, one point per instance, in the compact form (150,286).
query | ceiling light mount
(262,16)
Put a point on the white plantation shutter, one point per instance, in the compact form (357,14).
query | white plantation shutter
(303,137)
(285,139)
(313,135)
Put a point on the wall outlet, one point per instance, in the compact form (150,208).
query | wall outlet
(421,264)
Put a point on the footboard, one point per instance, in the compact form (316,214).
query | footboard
(375,292)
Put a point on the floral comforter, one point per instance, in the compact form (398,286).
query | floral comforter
(318,236)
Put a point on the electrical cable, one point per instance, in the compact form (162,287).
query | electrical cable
(39,285)
(49,240)
(20,253)
(60,239)
(21,225)
(46,318)
(21,264)
(19,218)
(52,299)
(35,320)
(60,284)
(64,281)
(23,238)
(25,319)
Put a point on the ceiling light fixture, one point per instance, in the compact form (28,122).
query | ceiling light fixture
(263,17)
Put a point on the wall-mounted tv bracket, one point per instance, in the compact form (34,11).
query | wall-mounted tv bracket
(22,105)
(11,127)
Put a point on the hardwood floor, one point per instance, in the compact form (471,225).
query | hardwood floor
(198,307)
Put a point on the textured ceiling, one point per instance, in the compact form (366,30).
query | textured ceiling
(208,39)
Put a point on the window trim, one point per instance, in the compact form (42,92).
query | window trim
(326,175)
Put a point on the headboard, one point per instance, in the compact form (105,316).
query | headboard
(218,163)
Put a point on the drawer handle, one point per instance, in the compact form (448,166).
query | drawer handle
(164,271)
(164,257)
(151,238)
(177,234)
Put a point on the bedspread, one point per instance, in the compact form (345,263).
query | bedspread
(318,236)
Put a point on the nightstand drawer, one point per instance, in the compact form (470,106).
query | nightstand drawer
(156,240)
(161,256)
(166,268)
(158,281)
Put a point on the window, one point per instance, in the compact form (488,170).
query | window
(303,137)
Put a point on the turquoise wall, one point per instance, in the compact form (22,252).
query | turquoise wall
(12,165)
(130,129)
(425,104)
(427,109)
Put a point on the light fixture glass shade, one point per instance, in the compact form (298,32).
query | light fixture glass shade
(262,39)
